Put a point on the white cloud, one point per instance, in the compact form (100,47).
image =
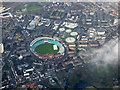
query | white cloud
(107,54)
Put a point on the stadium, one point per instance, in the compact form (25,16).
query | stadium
(47,48)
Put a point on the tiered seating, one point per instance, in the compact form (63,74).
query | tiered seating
(41,40)
(55,42)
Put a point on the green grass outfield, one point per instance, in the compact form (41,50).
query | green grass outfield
(46,48)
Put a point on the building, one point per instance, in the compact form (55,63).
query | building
(1,48)
(33,23)
(101,31)
(68,62)
(70,25)
(57,22)
(55,47)
(116,21)
(94,44)
(83,44)
(4,13)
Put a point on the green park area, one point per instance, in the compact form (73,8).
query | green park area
(5,67)
(33,8)
(93,75)
(46,48)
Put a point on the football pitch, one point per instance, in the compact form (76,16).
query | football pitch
(46,48)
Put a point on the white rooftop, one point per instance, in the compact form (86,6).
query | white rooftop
(70,25)
(1,48)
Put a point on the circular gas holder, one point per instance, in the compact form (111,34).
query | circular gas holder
(70,40)
(74,33)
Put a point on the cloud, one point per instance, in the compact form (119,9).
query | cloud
(107,54)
